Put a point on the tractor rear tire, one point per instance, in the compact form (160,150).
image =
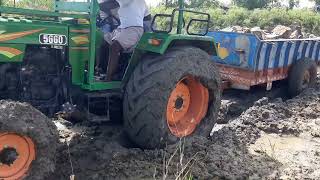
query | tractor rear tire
(28,142)
(302,76)
(152,97)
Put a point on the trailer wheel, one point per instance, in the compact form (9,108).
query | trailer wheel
(172,96)
(303,75)
(28,142)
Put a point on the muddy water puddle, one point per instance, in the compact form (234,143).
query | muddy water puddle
(288,149)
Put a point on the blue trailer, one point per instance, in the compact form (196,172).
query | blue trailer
(245,60)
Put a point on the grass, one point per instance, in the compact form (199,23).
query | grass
(178,164)
(269,151)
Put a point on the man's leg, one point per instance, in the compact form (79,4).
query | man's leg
(113,62)
(103,54)
(123,40)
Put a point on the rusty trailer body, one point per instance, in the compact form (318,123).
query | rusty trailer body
(245,60)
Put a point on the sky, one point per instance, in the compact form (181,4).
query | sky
(303,3)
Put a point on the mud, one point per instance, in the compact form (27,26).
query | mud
(25,120)
(257,137)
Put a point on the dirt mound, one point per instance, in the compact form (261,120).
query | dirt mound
(278,32)
(266,137)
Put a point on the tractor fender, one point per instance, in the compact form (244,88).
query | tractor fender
(160,43)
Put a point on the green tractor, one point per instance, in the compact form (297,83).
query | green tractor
(170,87)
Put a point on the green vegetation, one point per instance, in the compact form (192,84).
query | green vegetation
(34,4)
(191,4)
(293,3)
(252,4)
(264,18)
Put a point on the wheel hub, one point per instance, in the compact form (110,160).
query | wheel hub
(16,155)
(179,103)
(187,106)
(8,156)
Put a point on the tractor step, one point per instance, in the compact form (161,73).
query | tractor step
(98,106)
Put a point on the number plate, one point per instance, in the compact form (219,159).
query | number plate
(53,39)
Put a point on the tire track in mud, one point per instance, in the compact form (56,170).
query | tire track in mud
(255,139)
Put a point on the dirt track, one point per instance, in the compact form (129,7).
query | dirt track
(267,138)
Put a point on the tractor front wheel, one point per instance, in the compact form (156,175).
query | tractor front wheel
(172,96)
(28,142)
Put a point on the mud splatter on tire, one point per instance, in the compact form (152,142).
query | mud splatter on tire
(24,120)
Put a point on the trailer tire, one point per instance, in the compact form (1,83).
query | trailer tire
(149,92)
(20,122)
(302,76)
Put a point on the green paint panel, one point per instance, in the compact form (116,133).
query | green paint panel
(72,6)
(26,33)
(78,53)
(77,59)
(167,39)
(79,36)
(99,86)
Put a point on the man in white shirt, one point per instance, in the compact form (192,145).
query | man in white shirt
(126,36)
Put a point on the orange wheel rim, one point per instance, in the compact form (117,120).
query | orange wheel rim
(16,155)
(187,106)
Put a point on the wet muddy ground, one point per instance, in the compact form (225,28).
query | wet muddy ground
(259,136)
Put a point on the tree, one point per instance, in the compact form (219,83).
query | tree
(201,3)
(7,3)
(34,4)
(253,4)
(293,3)
(191,3)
